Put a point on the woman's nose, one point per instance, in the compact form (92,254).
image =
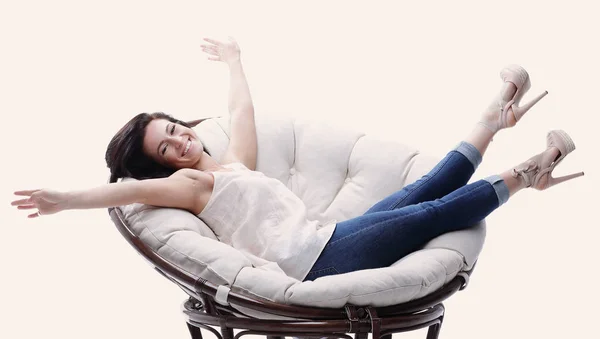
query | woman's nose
(178,142)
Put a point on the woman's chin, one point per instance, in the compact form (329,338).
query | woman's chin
(192,159)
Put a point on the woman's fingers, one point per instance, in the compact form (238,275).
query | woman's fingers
(210,51)
(220,51)
(26,204)
(212,41)
(210,48)
(21,202)
(26,192)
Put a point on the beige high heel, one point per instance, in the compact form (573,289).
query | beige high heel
(531,171)
(520,78)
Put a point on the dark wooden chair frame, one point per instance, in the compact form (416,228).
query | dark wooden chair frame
(202,311)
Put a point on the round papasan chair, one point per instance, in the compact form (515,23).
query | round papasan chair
(338,174)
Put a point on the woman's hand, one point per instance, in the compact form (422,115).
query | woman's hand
(228,52)
(45,201)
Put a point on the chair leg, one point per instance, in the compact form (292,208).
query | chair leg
(194,331)
(434,330)
(361,335)
(227,332)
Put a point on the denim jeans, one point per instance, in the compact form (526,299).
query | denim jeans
(439,202)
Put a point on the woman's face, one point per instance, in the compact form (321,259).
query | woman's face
(172,145)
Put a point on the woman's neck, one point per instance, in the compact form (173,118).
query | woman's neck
(207,163)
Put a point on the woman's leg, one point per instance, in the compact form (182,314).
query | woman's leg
(452,172)
(455,169)
(380,239)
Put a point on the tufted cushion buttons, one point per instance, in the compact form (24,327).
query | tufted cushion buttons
(347,180)
(292,171)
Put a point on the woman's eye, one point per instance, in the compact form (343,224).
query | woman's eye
(164,150)
(172,129)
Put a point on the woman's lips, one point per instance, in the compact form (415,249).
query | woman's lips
(188,146)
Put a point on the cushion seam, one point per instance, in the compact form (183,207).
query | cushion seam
(365,294)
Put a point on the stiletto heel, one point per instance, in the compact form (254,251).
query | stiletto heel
(553,181)
(518,112)
(532,172)
(497,117)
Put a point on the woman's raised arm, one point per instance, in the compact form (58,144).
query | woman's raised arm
(179,191)
(242,144)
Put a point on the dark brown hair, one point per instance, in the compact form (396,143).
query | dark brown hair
(125,156)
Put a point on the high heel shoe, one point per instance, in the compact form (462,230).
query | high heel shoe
(520,78)
(531,170)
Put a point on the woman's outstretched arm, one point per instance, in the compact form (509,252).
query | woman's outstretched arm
(179,190)
(242,145)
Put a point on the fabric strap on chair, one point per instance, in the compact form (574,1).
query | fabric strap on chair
(352,315)
(375,322)
(356,315)
(222,294)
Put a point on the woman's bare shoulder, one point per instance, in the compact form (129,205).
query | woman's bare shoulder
(196,174)
(191,173)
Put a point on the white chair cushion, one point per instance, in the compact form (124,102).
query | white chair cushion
(339,174)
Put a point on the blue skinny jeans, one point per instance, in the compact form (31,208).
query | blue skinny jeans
(439,202)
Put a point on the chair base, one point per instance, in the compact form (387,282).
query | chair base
(351,328)
(203,312)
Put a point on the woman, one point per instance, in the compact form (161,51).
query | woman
(270,222)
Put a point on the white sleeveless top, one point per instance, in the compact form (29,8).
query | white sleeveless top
(263,219)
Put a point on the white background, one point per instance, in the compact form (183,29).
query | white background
(72,73)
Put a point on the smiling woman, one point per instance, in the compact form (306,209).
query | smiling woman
(172,144)
(134,151)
